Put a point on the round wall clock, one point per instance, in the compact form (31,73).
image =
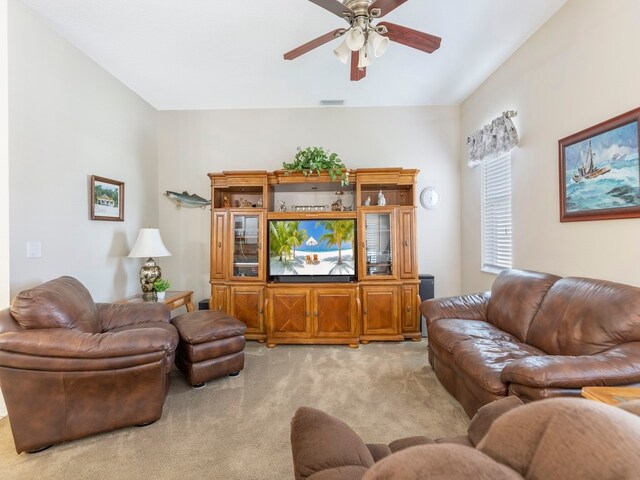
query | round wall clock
(429,198)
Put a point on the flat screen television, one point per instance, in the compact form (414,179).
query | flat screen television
(312,250)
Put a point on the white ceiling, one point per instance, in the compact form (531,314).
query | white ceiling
(211,54)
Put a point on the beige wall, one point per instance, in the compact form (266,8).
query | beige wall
(4,172)
(4,162)
(69,119)
(581,68)
(193,143)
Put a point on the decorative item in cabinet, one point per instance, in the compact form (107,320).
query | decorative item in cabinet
(247,237)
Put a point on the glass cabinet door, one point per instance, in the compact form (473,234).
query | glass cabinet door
(247,246)
(378,242)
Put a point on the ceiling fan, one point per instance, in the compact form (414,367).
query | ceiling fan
(364,38)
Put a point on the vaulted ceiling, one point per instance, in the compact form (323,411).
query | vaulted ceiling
(211,54)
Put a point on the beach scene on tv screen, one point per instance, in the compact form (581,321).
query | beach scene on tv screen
(311,247)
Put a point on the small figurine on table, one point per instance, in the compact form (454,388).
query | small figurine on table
(259,203)
(245,203)
(367,202)
(381,200)
(225,202)
(283,207)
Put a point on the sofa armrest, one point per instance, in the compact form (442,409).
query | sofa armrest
(617,366)
(66,343)
(116,315)
(467,307)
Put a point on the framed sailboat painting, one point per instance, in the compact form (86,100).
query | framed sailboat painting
(600,171)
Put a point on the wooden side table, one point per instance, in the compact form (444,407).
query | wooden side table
(611,395)
(173,300)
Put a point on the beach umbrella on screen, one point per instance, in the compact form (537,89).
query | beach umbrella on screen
(312,242)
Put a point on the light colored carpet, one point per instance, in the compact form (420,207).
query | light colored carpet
(238,428)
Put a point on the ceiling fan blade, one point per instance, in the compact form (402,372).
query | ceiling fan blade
(411,38)
(336,7)
(384,7)
(302,49)
(357,74)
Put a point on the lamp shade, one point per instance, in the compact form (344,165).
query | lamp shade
(378,43)
(363,57)
(342,52)
(355,38)
(149,244)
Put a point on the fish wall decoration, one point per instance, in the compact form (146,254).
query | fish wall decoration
(185,200)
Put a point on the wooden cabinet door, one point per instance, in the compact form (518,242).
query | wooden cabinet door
(289,312)
(246,237)
(380,310)
(377,244)
(335,312)
(410,314)
(218,242)
(406,247)
(218,300)
(247,305)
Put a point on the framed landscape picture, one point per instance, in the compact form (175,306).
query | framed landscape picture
(600,172)
(107,199)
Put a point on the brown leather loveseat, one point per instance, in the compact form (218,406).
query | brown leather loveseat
(70,367)
(535,335)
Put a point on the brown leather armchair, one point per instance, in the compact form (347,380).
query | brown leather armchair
(70,368)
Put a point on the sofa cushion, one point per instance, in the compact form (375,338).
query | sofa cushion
(582,316)
(444,461)
(482,361)
(60,303)
(571,439)
(450,332)
(320,442)
(515,299)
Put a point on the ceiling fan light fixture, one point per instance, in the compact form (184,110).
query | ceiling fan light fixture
(378,43)
(355,38)
(363,58)
(343,52)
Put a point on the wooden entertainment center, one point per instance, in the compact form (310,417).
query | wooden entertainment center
(378,302)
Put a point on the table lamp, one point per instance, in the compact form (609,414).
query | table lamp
(149,244)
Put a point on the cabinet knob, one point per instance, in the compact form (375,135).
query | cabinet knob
(406,243)
(315,313)
(363,244)
(408,308)
(260,245)
(261,311)
(364,311)
(219,244)
(307,314)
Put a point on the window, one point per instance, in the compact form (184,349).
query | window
(496,214)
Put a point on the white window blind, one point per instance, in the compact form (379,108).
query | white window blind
(496,213)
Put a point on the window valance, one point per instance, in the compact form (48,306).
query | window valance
(500,136)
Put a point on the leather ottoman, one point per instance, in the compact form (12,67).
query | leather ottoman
(211,345)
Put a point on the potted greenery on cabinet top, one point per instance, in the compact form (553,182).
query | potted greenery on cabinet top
(315,160)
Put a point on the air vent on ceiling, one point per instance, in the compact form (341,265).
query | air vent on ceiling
(331,102)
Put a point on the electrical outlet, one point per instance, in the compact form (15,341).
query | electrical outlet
(34,249)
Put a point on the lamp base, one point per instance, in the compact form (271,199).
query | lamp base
(149,273)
